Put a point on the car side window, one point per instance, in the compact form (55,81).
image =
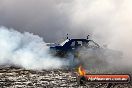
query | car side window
(91,44)
(73,44)
(79,43)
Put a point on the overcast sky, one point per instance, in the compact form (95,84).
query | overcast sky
(108,21)
(53,19)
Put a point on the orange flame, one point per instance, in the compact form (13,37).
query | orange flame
(81,71)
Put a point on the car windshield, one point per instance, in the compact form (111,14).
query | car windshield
(64,42)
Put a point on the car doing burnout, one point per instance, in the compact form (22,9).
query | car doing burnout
(72,46)
(87,49)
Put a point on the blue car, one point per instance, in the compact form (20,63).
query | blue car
(85,51)
(72,46)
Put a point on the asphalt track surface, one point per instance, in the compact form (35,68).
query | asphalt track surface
(13,77)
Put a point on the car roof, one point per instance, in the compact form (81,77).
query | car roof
(78,39)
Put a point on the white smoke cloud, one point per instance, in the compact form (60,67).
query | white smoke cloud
(26,50)
(108,21)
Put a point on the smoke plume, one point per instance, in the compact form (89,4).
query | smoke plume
(107,21)
(26,50)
